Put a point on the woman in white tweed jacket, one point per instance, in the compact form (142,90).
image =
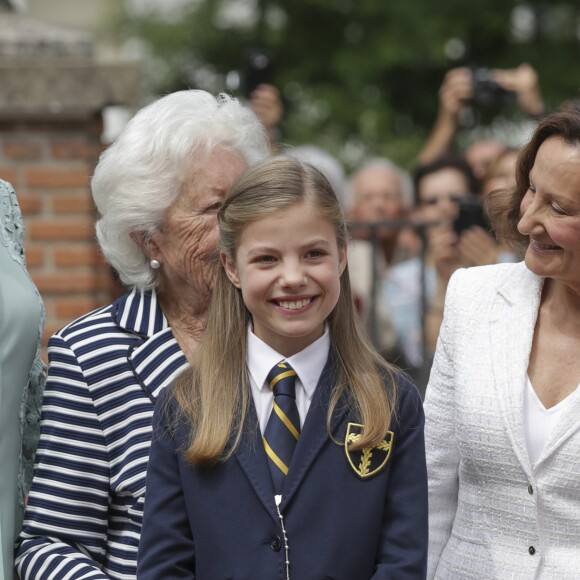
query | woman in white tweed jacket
(503,403)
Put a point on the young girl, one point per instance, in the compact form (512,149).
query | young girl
(291,449)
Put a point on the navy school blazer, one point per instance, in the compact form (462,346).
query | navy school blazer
(356,517)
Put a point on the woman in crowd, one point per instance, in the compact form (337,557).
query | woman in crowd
(21,375)
(158,189)
(503,404)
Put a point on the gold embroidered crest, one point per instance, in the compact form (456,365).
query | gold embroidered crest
(368,461)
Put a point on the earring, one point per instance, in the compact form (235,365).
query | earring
(154,264)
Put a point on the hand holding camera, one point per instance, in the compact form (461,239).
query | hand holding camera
(466,241)
(524,84)
(477,248)
(464,87)
(456,90)
(503,86)
(475,242)
(484,87)
(487,91)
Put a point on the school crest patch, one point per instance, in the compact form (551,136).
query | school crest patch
(368,461)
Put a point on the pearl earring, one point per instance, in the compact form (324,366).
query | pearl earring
(154,264)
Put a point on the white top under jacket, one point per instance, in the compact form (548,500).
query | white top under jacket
(492,515)
(308,365)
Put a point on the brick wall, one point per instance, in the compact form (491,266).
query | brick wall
(49,162)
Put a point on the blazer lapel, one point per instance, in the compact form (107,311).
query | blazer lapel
(314,433)
(251,455)
(252,458)
(512,323)
(156,359)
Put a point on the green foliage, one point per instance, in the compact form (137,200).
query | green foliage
(361,77)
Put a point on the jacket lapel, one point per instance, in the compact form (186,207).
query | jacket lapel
(314,433)
(252,458)
(512,323)
(156,359)
(156,362)
(251,455)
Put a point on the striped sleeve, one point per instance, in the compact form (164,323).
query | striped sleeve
(65,530)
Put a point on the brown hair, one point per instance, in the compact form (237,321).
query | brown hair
(503,206)
(214,397)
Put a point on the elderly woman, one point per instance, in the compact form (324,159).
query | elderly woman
(158,189)
(503,403)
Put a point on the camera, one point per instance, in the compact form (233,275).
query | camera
(486,91)
(470,214)
(257,69)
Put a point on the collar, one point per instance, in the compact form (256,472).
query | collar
(528,284)
(308,363)
(139,312)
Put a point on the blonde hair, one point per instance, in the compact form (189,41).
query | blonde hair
(214,397)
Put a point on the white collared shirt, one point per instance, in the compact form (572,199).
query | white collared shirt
(307,363)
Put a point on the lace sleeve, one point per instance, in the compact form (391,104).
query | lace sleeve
(11,224)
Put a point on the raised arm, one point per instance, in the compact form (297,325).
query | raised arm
(454,95)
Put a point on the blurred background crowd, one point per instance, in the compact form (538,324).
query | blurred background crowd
(415,111)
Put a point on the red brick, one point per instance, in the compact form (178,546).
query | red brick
(78,256)
(69,203)
(62,177)
(8,174)
(49,329)
(75,148)
(34,257)
(74,306)
(46,229)
(67,282)
(30,203)
(22,150)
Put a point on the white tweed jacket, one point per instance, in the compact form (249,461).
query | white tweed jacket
(492,514)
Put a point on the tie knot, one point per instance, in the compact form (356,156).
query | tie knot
(281,380)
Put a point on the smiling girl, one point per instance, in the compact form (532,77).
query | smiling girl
(291,449)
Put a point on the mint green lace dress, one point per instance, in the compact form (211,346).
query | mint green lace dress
(21,375)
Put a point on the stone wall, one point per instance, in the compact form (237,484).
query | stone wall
(49,163)
(51,100)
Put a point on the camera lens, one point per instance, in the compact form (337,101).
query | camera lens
(486,91)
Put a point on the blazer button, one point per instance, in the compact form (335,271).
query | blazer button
(276,543)
(532,550)
(530,489)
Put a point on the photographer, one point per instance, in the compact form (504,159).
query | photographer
(266,102)
(263,97)
(462,88)
(455,237)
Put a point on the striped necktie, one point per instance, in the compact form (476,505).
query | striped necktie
(283,428)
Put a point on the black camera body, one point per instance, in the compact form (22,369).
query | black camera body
(470,214)
(487,92)
(257,70)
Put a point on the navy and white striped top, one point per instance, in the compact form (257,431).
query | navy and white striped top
(106,369)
